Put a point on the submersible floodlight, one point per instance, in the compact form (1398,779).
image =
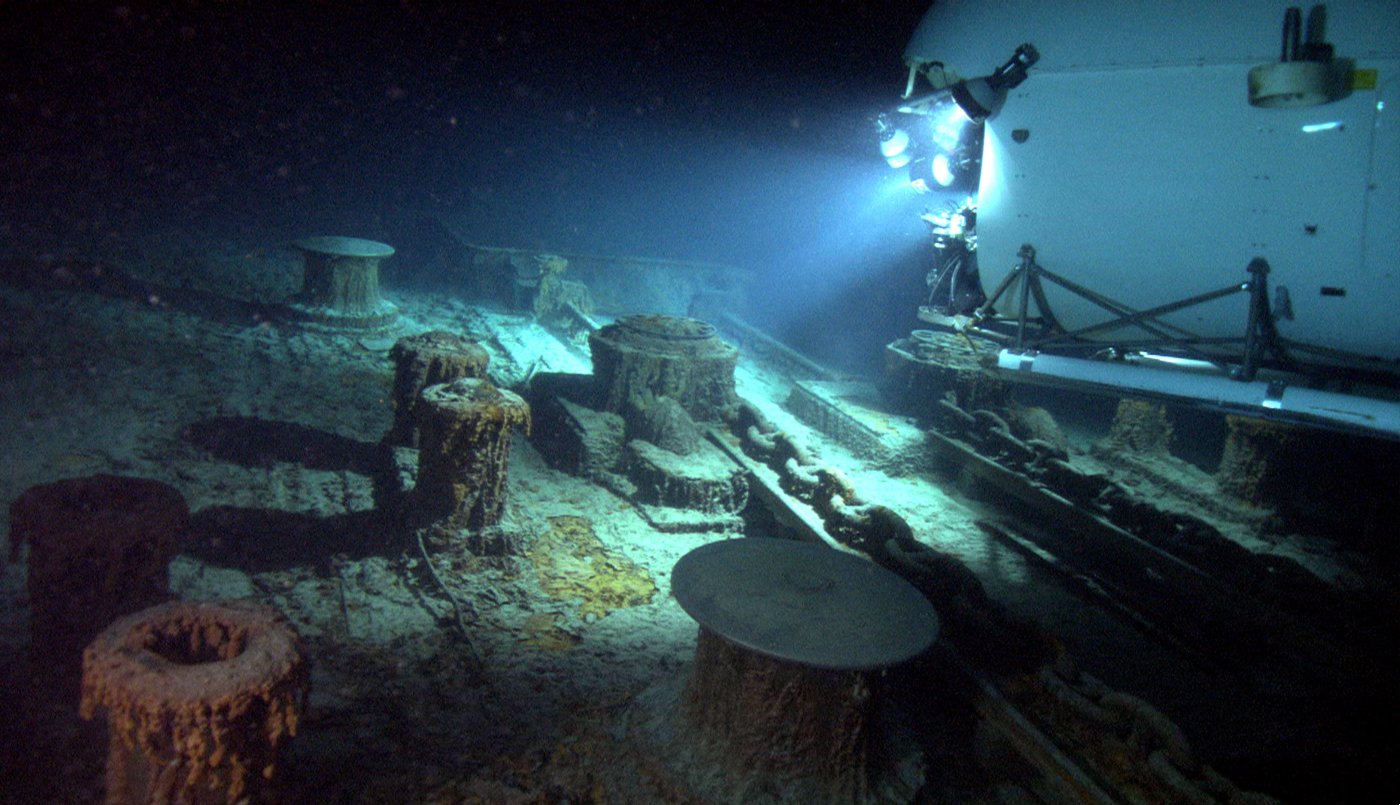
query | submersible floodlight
(942,142)
(980,98)
(894,142)
(943,169)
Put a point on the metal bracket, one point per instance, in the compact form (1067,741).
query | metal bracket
(1039,330)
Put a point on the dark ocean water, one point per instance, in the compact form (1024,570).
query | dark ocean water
(729,132)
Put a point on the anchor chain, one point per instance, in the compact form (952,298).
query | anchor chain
(1036,671)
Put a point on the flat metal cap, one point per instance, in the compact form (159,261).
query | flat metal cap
(344,247)
(804,603)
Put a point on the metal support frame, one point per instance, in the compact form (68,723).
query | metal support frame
(1259,342)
